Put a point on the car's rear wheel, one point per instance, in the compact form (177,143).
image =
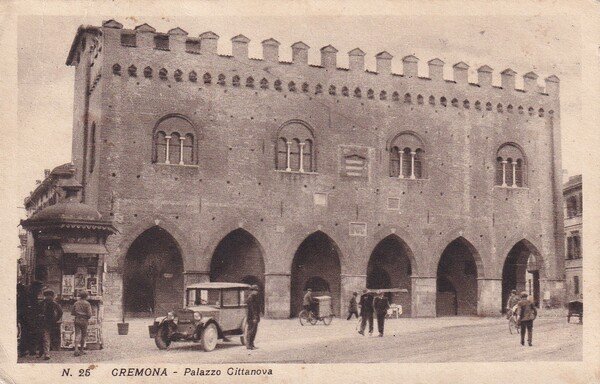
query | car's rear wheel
(210,336)
(162,338)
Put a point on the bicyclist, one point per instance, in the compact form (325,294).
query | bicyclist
(513,299)
(307,301)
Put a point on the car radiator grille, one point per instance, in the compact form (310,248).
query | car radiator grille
(185,316)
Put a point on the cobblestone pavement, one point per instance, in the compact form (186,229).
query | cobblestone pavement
(446,339)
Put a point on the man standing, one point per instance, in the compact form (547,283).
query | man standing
(307,301)
(51,313)
(513,299)
(527,313)
(82,311)
(381,305)
(252,316)
(353,306)
(366,312)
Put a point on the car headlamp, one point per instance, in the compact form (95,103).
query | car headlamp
(197,316)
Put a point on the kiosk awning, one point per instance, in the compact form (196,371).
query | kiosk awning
(84,248)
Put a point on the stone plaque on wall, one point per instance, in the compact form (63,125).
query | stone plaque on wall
(358,229)
(354,161)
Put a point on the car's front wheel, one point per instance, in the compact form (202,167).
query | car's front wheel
(210,336)
(162,338)
(244,336)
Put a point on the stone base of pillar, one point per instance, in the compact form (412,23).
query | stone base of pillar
(350,284)
(112,296)
(553,293)
(489,300)
(277,296)
(423,296)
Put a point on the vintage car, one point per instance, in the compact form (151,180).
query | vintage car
(212,311)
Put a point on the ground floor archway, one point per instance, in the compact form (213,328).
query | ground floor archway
(521,272)
(152,274)
(389,267)
(238,258)
(316,265)
(457,280)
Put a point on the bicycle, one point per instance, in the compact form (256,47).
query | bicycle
(306,317)
(512,324)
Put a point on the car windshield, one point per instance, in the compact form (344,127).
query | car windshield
(204,297)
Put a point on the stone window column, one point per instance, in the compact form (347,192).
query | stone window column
(401,154)
(289,149)
(302,156)
(514,172)
(181,138)
(412,164)
(504,173)
(168,138)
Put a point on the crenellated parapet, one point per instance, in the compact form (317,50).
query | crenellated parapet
(178,40)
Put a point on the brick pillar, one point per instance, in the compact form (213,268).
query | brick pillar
(423,296)
(552,292)
(112,295)
(350,284)
(277,295)
(193,277)
(489,297)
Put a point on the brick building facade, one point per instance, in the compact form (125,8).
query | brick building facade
(292,175)
(573,197)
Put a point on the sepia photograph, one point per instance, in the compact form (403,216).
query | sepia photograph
(238,194)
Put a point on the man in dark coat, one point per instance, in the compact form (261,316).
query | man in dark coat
(366,312)
(381,305)
(51,313)
(252,316)
(22,302)
(527,313)
(353,306)
(32,332)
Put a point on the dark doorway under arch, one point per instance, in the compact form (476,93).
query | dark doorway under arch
(389,267)
(153,274)
(457,280)
(316,263)
(238,258)
(521,272)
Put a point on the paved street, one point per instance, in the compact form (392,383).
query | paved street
(446,339)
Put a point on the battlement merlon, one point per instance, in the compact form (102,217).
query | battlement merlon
(145,36)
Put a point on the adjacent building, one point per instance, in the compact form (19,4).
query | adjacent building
(573,198)
(293,176)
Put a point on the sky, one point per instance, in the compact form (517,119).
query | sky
(42,138)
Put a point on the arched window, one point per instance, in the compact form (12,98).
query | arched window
(250,82)
(305,87)
(478,105)
(443,101)
(531,111)
(541,112)
(420,99)
(370,94)
(407,98)
(383,95)
(174,142)
(488,106)
(431,100)
(295,150)
(207,78)
(332,90)
(148,72)
(395,96)
(509,108)
(235,81)
(520,109)
(318,89)
(160,147)
(175,148)
(264,83)
(455,103)
(193,77)
(178,75)
(132,70)
(221,79)
(357,93)
(277,85)
(466,104)
(510,166)
(292,86)
(499,108)
(407,157)
(116,70)
(345,91)
(162,74)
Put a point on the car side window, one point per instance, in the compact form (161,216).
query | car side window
(230,298)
